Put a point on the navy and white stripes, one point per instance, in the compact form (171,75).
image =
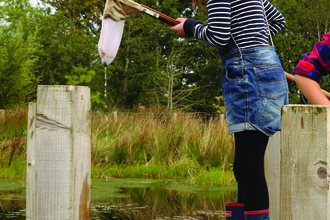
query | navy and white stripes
(243,19)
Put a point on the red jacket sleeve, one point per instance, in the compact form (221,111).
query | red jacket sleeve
(316,63)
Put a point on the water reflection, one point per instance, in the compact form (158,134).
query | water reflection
(159,199)
(138,199)
(12,200)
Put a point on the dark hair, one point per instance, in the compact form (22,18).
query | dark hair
(199,3)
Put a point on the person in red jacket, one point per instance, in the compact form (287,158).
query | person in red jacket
(310,70)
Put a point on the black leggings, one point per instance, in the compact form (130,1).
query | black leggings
(250,147)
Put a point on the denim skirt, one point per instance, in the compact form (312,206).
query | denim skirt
(254,89)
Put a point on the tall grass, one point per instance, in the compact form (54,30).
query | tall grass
(13,144)
(141,145)
(187,145)
(164,141)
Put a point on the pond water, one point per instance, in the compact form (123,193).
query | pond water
(134,199)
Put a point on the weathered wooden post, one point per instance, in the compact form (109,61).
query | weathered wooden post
(175,116)
(59,154)
(305,157)
(31,210)
(2,116)
(273,173)
(115,116)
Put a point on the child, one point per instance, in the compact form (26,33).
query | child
(254,89)
(309,71)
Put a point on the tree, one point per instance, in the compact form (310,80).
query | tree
(171,85)
(18,45)
(66,49)
(305,20)
(145,43)
(85,14)
(61,48)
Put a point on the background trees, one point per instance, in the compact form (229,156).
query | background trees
(56,43)
(18,44)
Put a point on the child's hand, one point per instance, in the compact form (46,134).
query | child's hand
(179,28)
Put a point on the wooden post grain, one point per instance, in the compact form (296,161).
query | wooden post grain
(59,180)
(305,157)
(31,178)
(272,168)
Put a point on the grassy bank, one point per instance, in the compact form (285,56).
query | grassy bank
(138,145)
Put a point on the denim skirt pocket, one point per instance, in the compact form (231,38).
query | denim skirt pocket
(234,71)
(271,81)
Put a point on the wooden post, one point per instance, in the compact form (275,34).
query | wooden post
(2,116)
(175,116)
(305,157)
(272,168)
(59,178)
(115,116)
(31,175)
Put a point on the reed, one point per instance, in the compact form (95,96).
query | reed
(140,145)
(160,146)
(13,144)
(136,139)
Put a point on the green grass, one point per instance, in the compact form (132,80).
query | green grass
(138,146)
(202,176)
(215,177)
(17,169)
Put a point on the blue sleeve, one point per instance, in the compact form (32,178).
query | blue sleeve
(188,27)
(217,31)
(275,19)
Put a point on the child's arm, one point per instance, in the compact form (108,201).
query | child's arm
(216,32)
(275,19)
(309,71)
(311,90)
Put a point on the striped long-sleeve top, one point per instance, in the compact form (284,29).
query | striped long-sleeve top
(243,19)
(316,63)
